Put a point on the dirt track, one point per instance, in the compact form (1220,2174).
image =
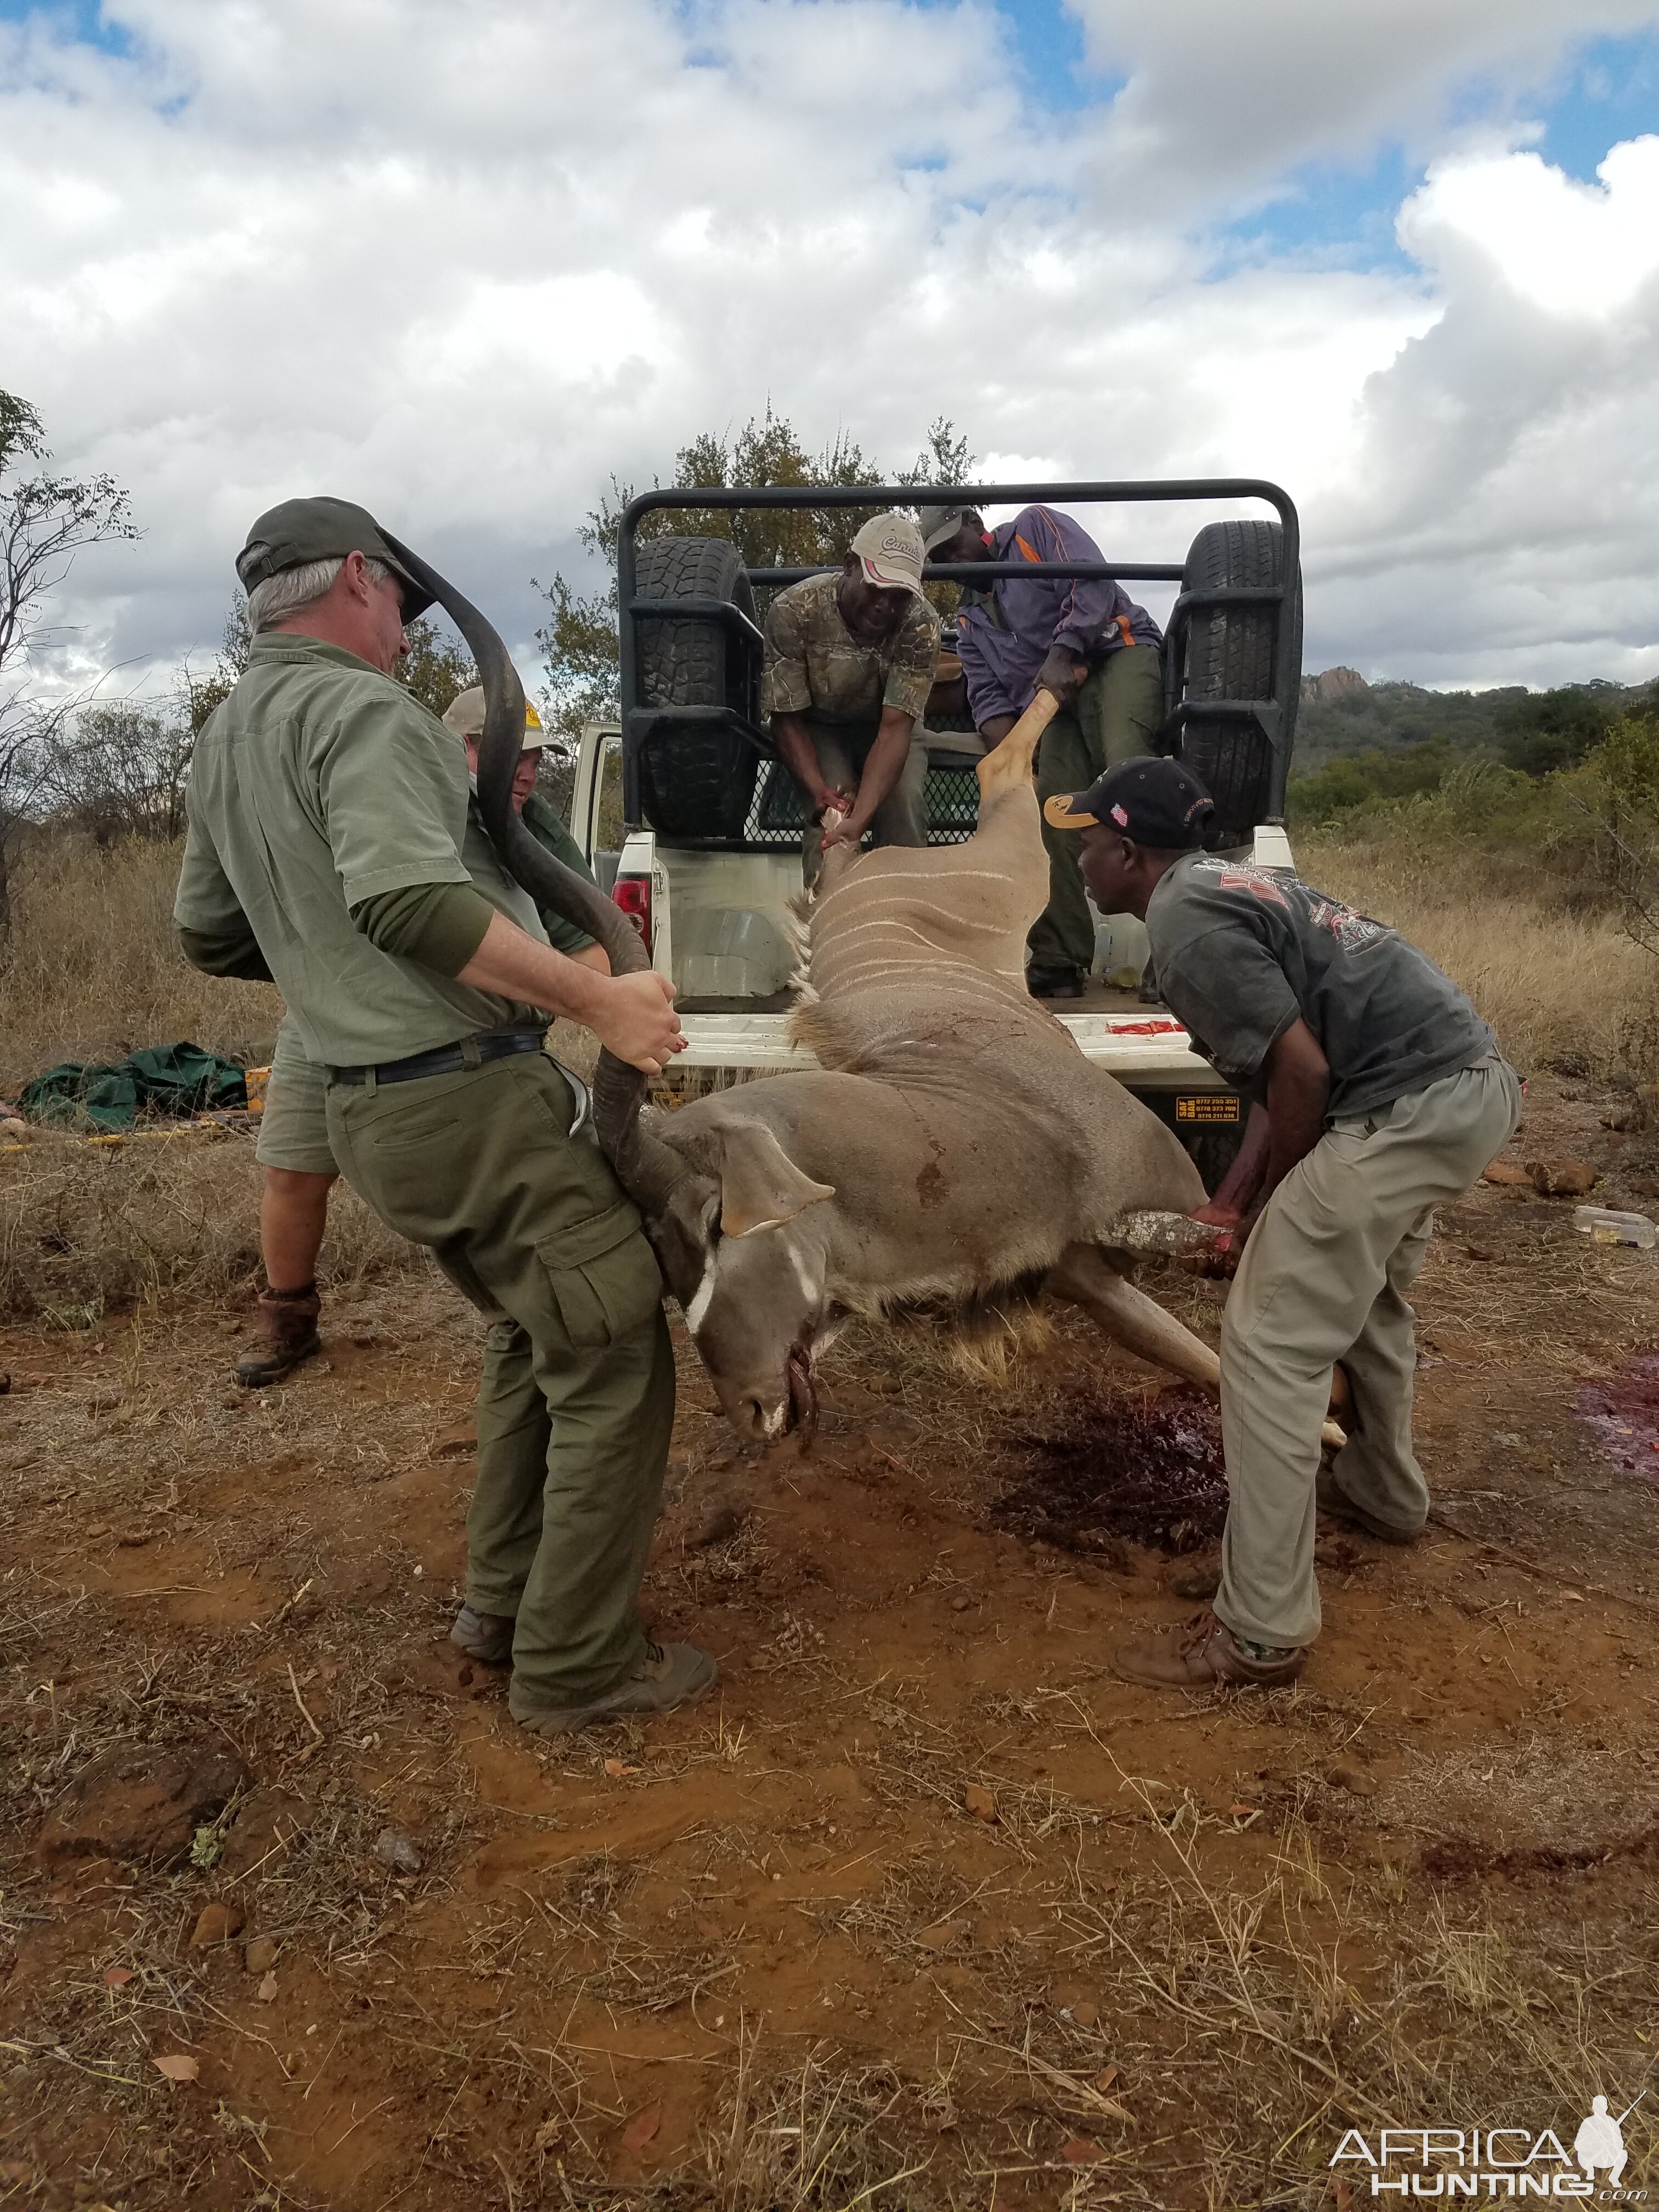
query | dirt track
(925,1900)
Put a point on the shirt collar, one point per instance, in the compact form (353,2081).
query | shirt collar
(294,645)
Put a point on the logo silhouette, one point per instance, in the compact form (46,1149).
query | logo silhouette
(1600,2141)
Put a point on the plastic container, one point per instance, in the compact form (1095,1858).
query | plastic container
(1603,1226)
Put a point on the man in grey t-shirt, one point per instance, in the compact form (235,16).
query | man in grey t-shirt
(1377,1093)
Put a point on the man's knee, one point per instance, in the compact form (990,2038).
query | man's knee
(298,1185)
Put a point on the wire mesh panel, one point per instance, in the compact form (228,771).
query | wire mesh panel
(777,813)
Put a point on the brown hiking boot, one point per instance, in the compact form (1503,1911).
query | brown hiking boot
(664,1676)
(1201,1654)
(286,1335)
(485,1636)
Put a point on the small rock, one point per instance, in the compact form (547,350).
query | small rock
(98,1528)
(1508,1175)
(260,1956)
(267,1990)
(979,1802)
(216,1923)
(961,1602)
(1351,1779)
(117,1977)
(395,1849)
(1085,2015)
(143,1802)
(1563,1178)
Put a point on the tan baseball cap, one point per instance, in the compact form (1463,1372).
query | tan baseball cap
(890,554)
(465,715)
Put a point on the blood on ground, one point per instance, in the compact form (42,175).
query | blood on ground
(1623,1411)
(1123,1470)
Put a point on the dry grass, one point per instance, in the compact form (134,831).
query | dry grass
(1563,989)
(153,1220)
(91,969)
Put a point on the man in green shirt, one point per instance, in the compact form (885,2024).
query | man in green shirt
(327,849)
(293,1149)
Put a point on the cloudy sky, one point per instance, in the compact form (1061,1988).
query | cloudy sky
(465,264)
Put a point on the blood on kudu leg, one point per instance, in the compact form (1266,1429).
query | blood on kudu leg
(1009,763)
(1132,1319)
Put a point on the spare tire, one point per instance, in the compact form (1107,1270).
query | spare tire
(1229,655)
(697,778)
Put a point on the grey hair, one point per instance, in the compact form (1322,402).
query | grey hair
(290,589)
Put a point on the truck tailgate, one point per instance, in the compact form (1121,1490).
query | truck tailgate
(1149,1050)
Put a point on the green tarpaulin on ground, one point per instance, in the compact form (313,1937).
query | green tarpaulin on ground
(165,1079)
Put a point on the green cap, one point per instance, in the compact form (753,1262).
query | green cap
(321,529)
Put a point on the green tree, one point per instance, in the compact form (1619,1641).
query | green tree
(1544,730)
(579,641)
(45,520)
(437,665)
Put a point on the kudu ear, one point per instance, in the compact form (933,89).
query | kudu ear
(761,1186)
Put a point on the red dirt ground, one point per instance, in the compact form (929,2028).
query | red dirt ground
(925,1905)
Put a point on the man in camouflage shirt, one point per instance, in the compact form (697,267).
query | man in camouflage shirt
(849,662)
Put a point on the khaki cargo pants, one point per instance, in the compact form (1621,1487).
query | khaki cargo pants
(1324,1278)
(1114,718)
(577,1397)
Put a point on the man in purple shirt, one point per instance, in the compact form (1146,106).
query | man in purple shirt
(1084,639)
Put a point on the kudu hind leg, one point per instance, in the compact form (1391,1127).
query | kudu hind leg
(1134,1320)
(1130,1318)
(1009,763)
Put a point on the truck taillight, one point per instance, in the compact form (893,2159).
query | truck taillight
(633,894)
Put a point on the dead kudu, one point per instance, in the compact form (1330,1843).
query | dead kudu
(953,1150)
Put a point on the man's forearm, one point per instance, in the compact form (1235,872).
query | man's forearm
(1236,1191)
(1298,1092)
(794,743)
(513,965)
(884,764)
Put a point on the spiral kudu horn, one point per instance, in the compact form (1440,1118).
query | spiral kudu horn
(647,1168)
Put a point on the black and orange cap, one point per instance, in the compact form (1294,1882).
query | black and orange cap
(1156,802)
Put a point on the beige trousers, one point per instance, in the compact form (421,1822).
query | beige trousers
(1325,1277)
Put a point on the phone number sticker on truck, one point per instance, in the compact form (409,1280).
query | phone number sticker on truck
(1208,1106)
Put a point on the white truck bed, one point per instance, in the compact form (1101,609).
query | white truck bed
(1145,1047)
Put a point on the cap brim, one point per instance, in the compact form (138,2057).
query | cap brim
(876,575)
(416,599)
(1063,812)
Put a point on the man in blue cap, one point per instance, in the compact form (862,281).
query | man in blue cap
(1377,1094)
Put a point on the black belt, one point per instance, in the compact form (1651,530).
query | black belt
(445,1059)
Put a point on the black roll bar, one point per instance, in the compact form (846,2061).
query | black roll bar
(637,719)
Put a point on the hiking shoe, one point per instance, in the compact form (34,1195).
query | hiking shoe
(664,1675)
(1201,1654)
(1054,982)
(485,1636)
(287,1333)
(1331,1499)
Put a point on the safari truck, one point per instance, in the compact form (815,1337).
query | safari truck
(694,825)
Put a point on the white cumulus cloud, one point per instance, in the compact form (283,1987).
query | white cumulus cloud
(466,266)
